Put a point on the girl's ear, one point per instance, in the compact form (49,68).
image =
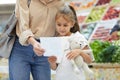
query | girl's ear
(72,24)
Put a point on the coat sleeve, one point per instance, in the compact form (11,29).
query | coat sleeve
(22,14)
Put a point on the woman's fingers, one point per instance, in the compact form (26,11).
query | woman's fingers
(39,51)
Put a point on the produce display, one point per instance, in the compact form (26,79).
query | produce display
(87,29)
(76,5)
(100,9)
(84,4)
(98,46)
(102,30)
(102,2)
(115,1)
(100,33)
(105,52)
(82,16)
(113,12)
(105,11)
(96,14)
(116,57)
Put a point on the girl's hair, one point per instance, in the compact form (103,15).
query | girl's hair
(69,14)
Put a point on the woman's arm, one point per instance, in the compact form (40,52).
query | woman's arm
(22,14)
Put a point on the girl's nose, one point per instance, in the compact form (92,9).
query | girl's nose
(62,28)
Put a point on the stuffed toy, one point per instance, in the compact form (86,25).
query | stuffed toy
(77,41)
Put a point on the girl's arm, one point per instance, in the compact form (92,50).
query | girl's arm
(78,52)
(87,58)
(53,66)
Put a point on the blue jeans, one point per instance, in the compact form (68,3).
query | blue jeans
(24,61)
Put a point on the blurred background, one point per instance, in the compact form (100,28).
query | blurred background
(96,19)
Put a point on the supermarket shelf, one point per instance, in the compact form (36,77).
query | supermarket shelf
(104,65)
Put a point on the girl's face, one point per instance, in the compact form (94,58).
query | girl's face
(63,26)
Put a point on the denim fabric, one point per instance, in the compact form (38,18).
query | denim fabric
(23,61)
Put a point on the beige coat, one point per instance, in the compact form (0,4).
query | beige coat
(38,20)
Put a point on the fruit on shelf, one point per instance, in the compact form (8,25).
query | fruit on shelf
(96,14)
(115,1)
(76,5)
(88,4)
(81,5)
(81,19)
(82,15)
(102,2)
(113,12)
(87,29)
(101,33)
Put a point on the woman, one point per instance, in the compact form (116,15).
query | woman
(34,22)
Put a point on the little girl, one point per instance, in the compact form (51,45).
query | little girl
(67,25)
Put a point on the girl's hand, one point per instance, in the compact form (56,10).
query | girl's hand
(74,53)
(52,59)
(83,53)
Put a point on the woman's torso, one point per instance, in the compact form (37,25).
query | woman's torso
(42,17)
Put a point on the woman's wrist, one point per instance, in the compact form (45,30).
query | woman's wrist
(31,40)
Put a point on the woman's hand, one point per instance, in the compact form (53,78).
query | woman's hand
(37,49)
(36,46)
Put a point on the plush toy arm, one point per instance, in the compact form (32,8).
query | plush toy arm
(79,62)
(75,67)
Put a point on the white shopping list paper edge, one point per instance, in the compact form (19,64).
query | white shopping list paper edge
(53,46)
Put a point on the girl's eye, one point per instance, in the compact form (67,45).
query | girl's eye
(65,25)
(59,24)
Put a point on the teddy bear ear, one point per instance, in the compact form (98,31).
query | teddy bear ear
(77,34)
